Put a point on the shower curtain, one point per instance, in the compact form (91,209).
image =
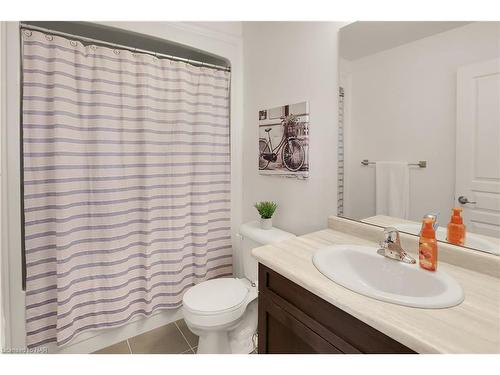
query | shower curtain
(126,184)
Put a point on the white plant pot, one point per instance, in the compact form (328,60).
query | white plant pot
(266,223)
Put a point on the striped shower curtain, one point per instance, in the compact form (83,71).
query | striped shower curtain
(126,184)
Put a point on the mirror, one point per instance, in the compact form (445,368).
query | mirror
(419,126)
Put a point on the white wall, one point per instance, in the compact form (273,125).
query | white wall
(403,107)
(227,44)
(289,62)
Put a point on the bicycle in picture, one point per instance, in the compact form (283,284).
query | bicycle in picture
(292,151)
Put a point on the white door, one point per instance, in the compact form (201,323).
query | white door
(478,146)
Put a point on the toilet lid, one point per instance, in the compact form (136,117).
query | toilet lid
(215,295)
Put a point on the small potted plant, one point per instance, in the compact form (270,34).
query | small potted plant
(266,211)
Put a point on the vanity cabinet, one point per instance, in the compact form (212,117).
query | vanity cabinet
(294,320)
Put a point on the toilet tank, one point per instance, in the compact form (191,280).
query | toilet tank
(253,236)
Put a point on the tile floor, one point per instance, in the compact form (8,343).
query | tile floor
(173,338)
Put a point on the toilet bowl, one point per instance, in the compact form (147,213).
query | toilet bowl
(215,309)
(223,312)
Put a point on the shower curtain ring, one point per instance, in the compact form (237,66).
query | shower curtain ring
(27,33)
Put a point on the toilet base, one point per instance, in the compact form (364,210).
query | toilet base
(235,339)
(221,342)
(242,337)
(214,342)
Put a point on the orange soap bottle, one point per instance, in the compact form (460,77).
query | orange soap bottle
(427,247)
(456,228)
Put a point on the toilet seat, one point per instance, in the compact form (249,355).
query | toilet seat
(216,302)
(215,296)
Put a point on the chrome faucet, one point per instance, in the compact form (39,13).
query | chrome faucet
(390,247)
(434,217)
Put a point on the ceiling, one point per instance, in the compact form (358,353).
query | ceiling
(361,38)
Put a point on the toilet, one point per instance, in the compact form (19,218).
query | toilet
(223,311)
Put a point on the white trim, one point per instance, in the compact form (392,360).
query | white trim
(345,79)
(11,194)
(4,255)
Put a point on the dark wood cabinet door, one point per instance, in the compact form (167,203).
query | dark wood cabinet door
(281,333)
(294,320)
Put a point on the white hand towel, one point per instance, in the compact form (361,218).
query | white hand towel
(392,189)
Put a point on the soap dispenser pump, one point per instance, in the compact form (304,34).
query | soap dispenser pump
(456,229)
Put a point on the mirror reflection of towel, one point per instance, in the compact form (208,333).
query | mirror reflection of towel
(392,189)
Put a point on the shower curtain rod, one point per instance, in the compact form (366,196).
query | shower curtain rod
(121,46)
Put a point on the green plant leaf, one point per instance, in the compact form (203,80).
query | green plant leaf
(266,209)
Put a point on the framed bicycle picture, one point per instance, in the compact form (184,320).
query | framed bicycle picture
(284,140)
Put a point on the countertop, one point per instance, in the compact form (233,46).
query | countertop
(471,327)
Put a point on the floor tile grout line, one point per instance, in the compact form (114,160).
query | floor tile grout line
(129,347)
(184,337)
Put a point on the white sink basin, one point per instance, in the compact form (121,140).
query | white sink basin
(362,270)
(471,240)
